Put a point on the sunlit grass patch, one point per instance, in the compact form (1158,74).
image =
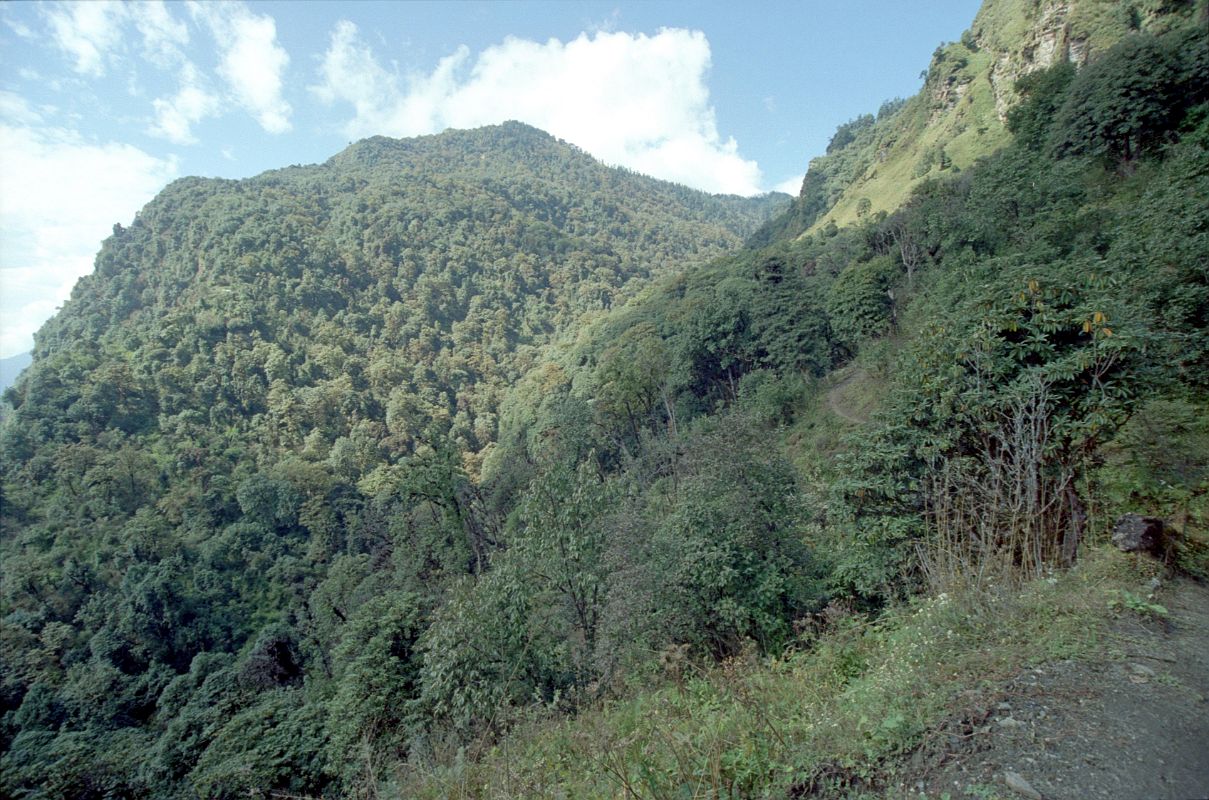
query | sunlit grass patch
(844,702)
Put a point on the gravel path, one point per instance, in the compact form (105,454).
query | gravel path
(1136,728)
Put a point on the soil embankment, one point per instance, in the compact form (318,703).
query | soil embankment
(1133,727)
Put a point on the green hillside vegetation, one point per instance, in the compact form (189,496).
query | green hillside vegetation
(435,472)
(1022,323)
(269,391)
(830,717)
(400,284)
(873,163)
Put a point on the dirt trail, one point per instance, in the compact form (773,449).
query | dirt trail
(1135,728)
(835,397)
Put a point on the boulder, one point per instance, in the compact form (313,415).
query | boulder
(1134,533)
(1019,785)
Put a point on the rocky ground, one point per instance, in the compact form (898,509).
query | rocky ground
(1132,727)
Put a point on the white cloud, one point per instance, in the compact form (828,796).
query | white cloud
(252,62)
(92,32)
(352,74)
(791,186)
(175,117)
(59,198)
(163,35)
(635,100)
(87,32)
(20,28)
(15,108)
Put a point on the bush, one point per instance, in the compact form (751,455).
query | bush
(1120,106)
(859,304)
(484,654)
(724,560)
(1043,93)
(377,671)
(277,745)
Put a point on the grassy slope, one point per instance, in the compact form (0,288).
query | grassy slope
(828,718)
(966,130)
(957,109)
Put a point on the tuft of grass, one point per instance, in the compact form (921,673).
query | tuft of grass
(833,712)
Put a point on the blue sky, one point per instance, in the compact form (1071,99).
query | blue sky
(102,104)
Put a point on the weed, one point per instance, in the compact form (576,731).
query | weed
(1144,607)
(983,791)
(826,719)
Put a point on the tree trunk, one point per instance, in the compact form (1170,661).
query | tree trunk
(1074,533)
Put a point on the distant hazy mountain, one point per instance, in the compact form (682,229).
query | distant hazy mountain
(11,367)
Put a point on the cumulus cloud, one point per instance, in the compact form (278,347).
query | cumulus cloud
(59,198)
(163,35)
(634,100)
(98,35)
(352,74)
(92,32)
(251,62)
(87,32)
(175,116)
(791,186)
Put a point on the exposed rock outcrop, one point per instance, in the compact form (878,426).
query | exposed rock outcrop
(1047,40)
(1134,533)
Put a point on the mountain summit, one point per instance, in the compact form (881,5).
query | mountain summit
(467,466)
(417,269)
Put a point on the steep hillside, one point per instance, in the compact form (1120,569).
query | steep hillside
(395,286)
(1025,355)
(875,161)
(461,466)
(269,379)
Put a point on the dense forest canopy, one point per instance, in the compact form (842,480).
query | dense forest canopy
(418,275)
(325,475)
(270,379)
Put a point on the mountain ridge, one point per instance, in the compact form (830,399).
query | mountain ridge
(362,216)
(437,470)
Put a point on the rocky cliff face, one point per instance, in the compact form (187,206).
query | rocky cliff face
(1048,37)
(1024,36)
(960,112)
(1045,43)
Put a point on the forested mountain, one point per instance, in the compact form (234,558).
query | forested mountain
(341,480)
(270,378)
(399,285)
